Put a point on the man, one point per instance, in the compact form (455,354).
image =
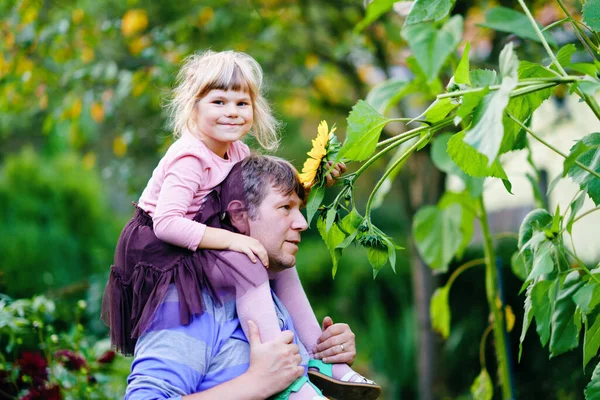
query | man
(208,359)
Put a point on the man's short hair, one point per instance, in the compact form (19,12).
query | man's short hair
(261,172)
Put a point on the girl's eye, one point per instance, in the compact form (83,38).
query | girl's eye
(243,103)
(219,102)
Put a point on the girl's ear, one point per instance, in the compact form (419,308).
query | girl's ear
(238,216)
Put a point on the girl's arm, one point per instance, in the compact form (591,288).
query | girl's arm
(221,239)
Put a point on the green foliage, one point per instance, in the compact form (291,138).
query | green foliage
(375,9)
(591,14)
(364,127)
(586,152)
(429,10)
(482,388)
(388,93)
(55,223)
(431,46)
(440,311)
(504,19)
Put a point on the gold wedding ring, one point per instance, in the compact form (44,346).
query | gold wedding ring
(342,346)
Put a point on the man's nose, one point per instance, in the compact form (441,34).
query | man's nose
(299,222)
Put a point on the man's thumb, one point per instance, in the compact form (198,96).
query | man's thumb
(253,334)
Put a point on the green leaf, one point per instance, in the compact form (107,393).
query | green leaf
(527,318)
(349,225)
(576,151)
(330,218)
(375,9)
(461,75)
(565,53)
(441,159)
(429,10)
(469,102)
(468,207)
(314,201)
(438,110)
(589,85)
(437,235)
(592,390)
(584,68)
(535,221)
(431,46)
(487,131)
(332,239)
(377,257)
(421,80)
(364,129)
(518,267)
(591,14)
(588,297)
(388,93)
(483,77)
(482,388)
(591,339)
(439,311)
(591,159)
(471,161)
(542,299)
(575,207)
(504,19)
(566,320)
(522,107)
(542,261)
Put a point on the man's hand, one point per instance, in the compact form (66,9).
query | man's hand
(338,170)
(329,345)
(274,364)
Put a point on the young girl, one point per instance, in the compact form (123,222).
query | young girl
(216,102)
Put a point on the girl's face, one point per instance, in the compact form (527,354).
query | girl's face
(223,116)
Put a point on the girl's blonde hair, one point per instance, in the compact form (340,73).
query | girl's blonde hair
(225,70)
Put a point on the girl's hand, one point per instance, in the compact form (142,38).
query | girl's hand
(338,170)
(329,345)
(249,246)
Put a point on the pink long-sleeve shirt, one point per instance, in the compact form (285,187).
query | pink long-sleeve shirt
(184,176)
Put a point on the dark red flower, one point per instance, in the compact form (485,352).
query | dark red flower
(48,392)
(107,357)
(34,365)
(71,360)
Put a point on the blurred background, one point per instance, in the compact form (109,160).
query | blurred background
(82,84)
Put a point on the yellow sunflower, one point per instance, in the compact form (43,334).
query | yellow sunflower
(315,155)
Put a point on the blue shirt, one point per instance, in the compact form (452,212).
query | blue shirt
(172,360)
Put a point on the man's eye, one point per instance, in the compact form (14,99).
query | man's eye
(286,207)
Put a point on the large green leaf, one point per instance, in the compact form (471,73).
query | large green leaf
(387,93)
(437,234)
(469,102)
(487,130)
(514,22)
(565,53)
(591,159)
(482,388)
(431,46)
(429,10)
(566,319)
(592,390)
(314,201)
(542,299)
(440,311)
(471,161)
(438,110)
(375,9)
(483,77)
(591,14)
(364,128)
(591,340)
(527,318)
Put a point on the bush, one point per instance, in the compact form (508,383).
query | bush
(47,358)
(56,228)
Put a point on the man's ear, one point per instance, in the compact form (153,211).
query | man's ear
(238,216)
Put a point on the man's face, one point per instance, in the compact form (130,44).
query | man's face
(277,225)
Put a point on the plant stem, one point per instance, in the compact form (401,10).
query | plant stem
(586,213)
(581,264)
(491,286)
(482,346)
(555,23)
(522,83)
(371,160)
(539,139)
(463,268)
(400,159)
(531,89)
